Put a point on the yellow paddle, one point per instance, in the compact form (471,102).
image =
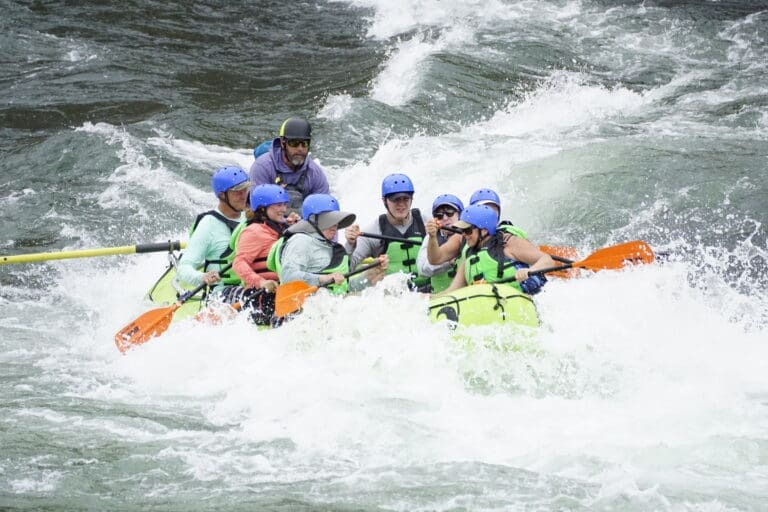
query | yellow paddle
(87,253)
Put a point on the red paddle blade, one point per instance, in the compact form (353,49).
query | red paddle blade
(618,256)
(289,297)
(150,324)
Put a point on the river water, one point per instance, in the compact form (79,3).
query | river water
(598,122)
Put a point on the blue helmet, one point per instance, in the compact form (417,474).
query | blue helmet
(266,195)
(225,178)
(396,183)
(485,196)
(481,216)
(449,200)
(315,204)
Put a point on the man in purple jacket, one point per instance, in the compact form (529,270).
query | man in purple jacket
(288,164)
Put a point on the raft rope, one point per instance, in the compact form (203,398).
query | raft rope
(498,305)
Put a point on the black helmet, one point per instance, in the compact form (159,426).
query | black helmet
(296,128)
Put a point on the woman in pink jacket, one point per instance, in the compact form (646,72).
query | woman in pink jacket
(252,242)
(269,204)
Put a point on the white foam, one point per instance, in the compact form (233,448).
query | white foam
(143,172)
(620,355)
(336,107)
(403,71)
(396,17)
(197,153)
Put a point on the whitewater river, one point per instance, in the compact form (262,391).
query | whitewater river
(598,122)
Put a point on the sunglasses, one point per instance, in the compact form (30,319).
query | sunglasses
(444,213)
(297,143)
(467,231)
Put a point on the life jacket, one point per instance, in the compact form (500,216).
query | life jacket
(228,277)
(296,192)
(489,263)
(339,260)
(402,255)
(259,265)
(510,228)
(442,280)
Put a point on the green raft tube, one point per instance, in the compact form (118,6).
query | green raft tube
(485,304)
(167,290)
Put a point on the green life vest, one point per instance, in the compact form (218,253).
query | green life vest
(489,263)
(443,280)
(273,258)
(402,255)
(339,261)
(229,277)
(510,228)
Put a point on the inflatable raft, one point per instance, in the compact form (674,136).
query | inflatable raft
(478,304)
(485,304)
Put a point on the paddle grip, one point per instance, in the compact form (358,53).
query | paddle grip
(560,259)
(168,246)
(452,229)
(184,297)
(551,269)
(539,272)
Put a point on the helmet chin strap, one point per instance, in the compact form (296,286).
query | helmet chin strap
(226,201)
(313,221)
(480,238)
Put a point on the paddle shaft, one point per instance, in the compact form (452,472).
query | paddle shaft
(447,228)
(87,253)
(290,296)
(355,272)
(191,293)
(452,230)
(390,238)
(362,269)
(561,259)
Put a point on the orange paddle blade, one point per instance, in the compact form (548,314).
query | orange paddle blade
(565,254)
(216,315)
(150,324)
(562,251)
(289,297)
(618,256)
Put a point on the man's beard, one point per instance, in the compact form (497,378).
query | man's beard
(296,161)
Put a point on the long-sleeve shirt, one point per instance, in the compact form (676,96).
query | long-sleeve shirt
(209,241)
(305,255)
(254,244)
(425,267)
(264,171)
(367,247)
